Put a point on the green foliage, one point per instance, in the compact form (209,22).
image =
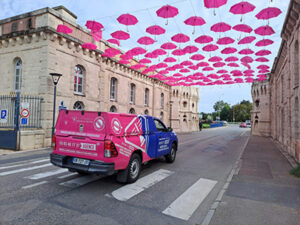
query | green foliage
(206,125)
(295,171)
(219,105)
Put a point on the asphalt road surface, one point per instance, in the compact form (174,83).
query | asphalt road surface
(32,191)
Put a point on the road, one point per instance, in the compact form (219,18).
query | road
(32,191)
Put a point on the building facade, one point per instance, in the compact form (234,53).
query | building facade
(279,101)
(30,49)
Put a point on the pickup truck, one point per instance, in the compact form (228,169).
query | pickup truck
(108,143)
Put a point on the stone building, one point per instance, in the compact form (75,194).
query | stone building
(281,103)
(30,49)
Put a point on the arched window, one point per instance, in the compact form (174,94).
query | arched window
(176,93)
(18,74)
(296,63)
(161,116)
(113,109)
(78,80)
(257,103)
(184,104)
(132,93)
(113,89)
(146,97)
(78,106)
(193,105)
(162,100)
(146,112)
(132,111)
(184,118)
(183,94)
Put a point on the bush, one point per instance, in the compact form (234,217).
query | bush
(295,171)
(206,125)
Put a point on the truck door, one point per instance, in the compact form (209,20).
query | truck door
(162,138)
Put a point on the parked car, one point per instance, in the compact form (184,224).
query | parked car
(248,124)
(224,123)
(105,143)
(243,125)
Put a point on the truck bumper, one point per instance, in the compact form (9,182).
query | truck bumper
(94,167)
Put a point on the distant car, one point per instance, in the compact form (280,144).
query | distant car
(243,125)
(224,123)
(248,124)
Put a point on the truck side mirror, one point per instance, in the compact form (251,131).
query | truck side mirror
(170,129)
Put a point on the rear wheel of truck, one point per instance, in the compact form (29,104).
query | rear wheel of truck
(133,170)
(170,158)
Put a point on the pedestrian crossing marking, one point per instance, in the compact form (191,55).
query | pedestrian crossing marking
(186,204)
(24,169)
(34,185)
(46,174)
(24,164)
(130,190)
(80,181)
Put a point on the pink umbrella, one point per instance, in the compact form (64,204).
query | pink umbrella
(161,65)
(137,51)
(164,72)
(168,46)
(166,12)
(247,59)
(195,21)
(231,59)
(184,71)
(208,68)
(180,38)
(246,65)
(242,8)
(159,52)
(63,29)
(114,41)
(90,46)
(229,50)
(222,71)
(233,65)
(126,56)
(249,71)
(178,52)
(93,25)
(204,39)
(170,60)
(263,53)
(210,48)
(193,67)
(225,41)
(124,61)
(202,64)
(178,66)
(213,76)
(264,71)
(145,41)
(264,30)
(262,59)
(97,35)
(190,49)
(264,42)
(220,27)
(268,13)
(112,52)
(155,30)
(246,52)
(263,67)
(242,28)
(127,19)
(145,61)
(177,75)
(219,64)
(137,66)
(247,40)
(186,63)
(197,57)
(120,35)
(215,59)
(214,3)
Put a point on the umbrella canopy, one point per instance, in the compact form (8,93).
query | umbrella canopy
(167,11)
(155,30)
(184,71)
(168,46)
(263,53)
(178,52)
(210,48)
(180,38)
(186,63)
(208,68)
(145,61)
(219,64)
(264,42)
(246,51)
(242,8)
(242,28)
(64,29)
(268,13)
(125,62)
(247,40)
(112,52)
(264,30)
(263,67)
(222,71)
(229,50)
(197,57)
(202,64)
(137,51)
(170,60)
(90,46)
(225,41)
(220,27)
(233,65)
(137,66)
(262,59)
(126,56)
(120,35)
(145,40)
(247,59)
(94,26)
(97,35)
(204,39)
(127,19)
(114,41)
(161,65)
(190,49)
(214,3)
(151,55)
(159,52)
(215,59)
(195,21)
(249,71)
(231,59)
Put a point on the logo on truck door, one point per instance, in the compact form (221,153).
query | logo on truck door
(116,125)
(99,123)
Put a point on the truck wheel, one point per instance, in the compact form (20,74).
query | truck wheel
(134,168)
(170,158)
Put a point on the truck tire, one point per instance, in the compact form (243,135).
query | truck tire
(133,170)
(170,158)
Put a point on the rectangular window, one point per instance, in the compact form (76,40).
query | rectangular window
(146,97)
(78,80)
(132,93)
(113,89)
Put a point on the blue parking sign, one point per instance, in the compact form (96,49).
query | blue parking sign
(24,121)
(3,114)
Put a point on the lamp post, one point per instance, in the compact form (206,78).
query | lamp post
(55,79)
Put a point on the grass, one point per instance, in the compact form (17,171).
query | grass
(296,172)
(205,125)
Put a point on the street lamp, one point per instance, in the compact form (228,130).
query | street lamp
(55,79)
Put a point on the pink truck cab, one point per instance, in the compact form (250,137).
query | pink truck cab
(106,143)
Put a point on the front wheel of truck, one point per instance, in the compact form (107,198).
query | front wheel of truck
(170,158)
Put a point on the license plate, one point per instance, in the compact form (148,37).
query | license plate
(85,162)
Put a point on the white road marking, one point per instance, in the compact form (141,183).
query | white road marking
(46,174)
(186,204)
(81,181)
(24,164)
(24,169)
(128,191)
(67,175)
(34,185)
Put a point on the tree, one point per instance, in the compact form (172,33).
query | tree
(225,112)
(219,105)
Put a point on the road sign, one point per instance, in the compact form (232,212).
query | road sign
(3,118)
(25,113)
(25,105)
(24,121)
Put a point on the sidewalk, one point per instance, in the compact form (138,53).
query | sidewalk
(263,192)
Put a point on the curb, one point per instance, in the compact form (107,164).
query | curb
(235,170)
(12,152)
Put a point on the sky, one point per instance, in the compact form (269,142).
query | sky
(106,12)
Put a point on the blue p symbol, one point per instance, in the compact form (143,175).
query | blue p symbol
(3,114)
